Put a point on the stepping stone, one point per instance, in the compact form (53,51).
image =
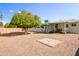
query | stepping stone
(49,42)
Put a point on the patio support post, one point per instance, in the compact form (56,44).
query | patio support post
(64,28)
(54,27)
(45,28)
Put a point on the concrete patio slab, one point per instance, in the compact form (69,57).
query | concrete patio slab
(49,42)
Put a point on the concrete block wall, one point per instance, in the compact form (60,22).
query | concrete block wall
(9,30)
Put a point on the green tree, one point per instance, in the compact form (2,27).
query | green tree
(1,16)
(25,19)
(6,25)
(37,22)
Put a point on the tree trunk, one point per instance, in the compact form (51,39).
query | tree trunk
(26,30)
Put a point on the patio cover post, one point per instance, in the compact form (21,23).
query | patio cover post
(46,28)
(65,28)
(54,27)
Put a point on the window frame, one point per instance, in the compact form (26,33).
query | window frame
(74,25)
(67,25)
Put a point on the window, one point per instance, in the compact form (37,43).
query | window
(56,25)
(66,25)
(73,24)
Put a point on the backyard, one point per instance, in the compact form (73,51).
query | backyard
(32,30)
(28,45)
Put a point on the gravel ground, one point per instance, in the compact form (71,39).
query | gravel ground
(26,45)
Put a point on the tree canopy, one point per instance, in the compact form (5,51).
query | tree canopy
(25,19)
(1,16)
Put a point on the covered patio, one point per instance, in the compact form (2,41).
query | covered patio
(69,26)
(56,27)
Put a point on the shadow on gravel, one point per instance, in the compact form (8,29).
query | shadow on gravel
(77,52)
(14,34)
(46,33)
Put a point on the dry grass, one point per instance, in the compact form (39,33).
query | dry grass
(27,45)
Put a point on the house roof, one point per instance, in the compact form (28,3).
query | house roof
(66,21)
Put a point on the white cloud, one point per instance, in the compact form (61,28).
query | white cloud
(11,10)
(19,11)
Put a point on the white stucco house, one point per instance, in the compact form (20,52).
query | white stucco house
(66,26)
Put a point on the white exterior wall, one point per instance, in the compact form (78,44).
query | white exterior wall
(70,28)
(73,29)
(50,27)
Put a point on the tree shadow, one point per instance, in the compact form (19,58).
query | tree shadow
(77,52)
(14,34)
(48,33)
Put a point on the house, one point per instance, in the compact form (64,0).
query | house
(66,26)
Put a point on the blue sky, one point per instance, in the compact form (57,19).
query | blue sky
(50,11)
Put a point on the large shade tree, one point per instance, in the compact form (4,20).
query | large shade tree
(25,19)
(1,17)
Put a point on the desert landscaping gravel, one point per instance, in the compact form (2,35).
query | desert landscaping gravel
(26,45)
